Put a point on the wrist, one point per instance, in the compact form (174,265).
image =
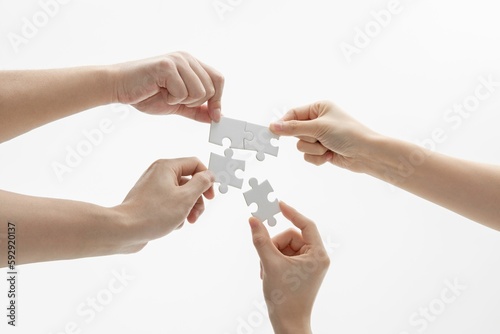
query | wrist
(291,325)
(103,80)
(126,239)
(393,160)
(112,75)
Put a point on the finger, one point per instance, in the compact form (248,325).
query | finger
(196,211)
(262,242)
(205,80)
(199,184)
(193,83)
(294,128)
(177,91)
(188,166)
(199,114)
(311,140)
(318,160)
(215,102)
(309,148)
(209,194)
(289,243)
(304,113)
(309,230)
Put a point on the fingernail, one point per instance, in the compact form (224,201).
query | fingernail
(277,126)
(329,156)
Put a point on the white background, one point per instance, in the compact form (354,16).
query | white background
(391,251)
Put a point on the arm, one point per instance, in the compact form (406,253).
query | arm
(52,229)
(29,99)
(176,83)
(293,266)
(327,134)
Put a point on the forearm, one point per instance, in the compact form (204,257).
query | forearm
(29,99)
(52,229)
(467,188)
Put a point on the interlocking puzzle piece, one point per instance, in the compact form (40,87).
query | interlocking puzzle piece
(261,141)
(258,195)
(225,168)
(232,129)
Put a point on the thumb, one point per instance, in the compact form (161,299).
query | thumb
(262,241)
(199,183)
(294,128)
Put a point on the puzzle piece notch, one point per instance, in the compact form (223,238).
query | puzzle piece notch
(224,168)
(261,141)
(258,195)
(232,129)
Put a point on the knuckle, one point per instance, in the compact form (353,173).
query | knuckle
(166,64)
(259,240)
(219,79)
(182,53)
(195,159)
(325,260)
(159,163)
(323,104)
(205,179)
(293,125)
(178,97)
(210,91)
(179,57)
(199,94)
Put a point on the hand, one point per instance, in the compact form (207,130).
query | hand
(163,198)
(326,133)
(293,266)
(176,83)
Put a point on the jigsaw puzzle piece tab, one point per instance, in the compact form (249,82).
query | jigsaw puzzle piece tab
(232,129)
(224,168)
(261,141)
(258,195)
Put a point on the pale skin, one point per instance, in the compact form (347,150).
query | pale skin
(169,192)
(293,266)
(329,135)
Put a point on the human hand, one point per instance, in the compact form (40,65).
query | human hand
(293,266)
(167,194)
(327,133)
(176,83)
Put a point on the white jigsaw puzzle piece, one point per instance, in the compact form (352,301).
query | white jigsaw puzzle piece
(261,141)
(225,168)
(258,195)
(232,129)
